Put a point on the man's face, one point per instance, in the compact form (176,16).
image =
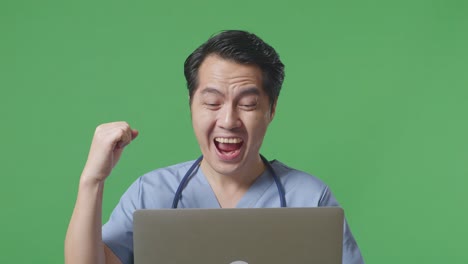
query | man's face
(230,115)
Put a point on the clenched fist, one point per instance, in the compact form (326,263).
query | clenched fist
(108,143)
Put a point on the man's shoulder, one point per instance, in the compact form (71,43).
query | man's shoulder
(167,175)
(297,178)
(302,188)
(156,188)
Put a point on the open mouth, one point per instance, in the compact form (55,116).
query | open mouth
(228,148)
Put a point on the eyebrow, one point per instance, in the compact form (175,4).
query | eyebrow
(209,90)
(248,91)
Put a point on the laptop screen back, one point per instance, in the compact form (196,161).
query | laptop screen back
(239,236)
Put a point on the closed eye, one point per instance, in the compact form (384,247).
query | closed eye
(248,107)
(212,106)
(248,102)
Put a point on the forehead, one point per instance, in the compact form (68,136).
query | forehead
(219,73)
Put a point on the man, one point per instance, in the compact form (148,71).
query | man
(234,80)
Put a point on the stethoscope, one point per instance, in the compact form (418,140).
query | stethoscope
(186,178)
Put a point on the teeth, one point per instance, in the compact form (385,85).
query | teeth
(228,140)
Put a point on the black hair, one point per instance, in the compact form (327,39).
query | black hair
(242,47)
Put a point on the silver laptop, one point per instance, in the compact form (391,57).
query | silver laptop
(239,236)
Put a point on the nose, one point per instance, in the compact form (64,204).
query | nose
(229,118)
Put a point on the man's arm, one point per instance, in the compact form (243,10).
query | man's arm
(83,242)
(111,258)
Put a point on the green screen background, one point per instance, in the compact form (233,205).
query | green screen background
(374,103)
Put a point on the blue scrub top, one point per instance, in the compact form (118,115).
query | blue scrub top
(156,190)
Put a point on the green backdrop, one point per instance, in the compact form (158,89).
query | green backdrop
(374,103)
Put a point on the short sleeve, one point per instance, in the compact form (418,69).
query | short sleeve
(351,252)
(117,233)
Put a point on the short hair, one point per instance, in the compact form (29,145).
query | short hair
(242,47)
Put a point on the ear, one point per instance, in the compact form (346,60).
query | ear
(273,109)
(190,106)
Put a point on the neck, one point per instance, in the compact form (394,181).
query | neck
(229,188)
(244,176)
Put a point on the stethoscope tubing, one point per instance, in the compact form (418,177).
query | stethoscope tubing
(188,174)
